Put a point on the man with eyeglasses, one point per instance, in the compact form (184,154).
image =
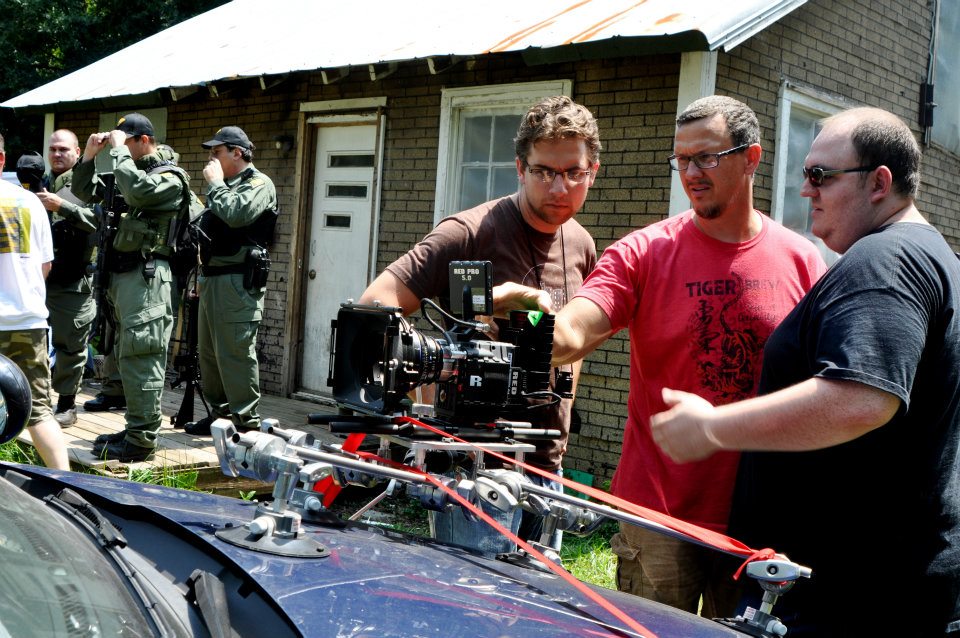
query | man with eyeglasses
(140,288)
(854,467)
(700,292)
(530,237)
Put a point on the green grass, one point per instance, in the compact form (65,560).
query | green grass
(16,452)
(589,558)
(161,476)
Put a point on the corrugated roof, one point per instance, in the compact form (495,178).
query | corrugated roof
(249,38)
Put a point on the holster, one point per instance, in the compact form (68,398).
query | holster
(257,262)
(124,261)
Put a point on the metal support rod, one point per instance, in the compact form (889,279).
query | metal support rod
(362,466)
(616,514)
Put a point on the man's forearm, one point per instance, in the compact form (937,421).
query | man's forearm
(567,343)
(83,185)
(580,328)
(390,291)
(814,414)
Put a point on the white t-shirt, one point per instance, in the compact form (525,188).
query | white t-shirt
(25,245)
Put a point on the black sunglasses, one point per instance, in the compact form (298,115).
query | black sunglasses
(816,174)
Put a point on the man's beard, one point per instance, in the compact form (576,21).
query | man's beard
(708,212)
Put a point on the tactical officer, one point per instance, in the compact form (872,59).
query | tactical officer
(69,287)
(155,190)
(236,230)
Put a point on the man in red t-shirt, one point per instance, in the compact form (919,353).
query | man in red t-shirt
(700,293)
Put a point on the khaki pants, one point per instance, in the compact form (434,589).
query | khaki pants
(675,572)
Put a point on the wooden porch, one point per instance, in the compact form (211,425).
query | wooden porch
(177,450)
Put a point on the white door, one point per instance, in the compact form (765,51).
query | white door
(341,239)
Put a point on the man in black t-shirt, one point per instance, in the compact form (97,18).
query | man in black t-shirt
(855,462)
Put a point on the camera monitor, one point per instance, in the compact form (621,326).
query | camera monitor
(471,288)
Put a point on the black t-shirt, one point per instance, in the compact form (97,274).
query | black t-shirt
(877,518)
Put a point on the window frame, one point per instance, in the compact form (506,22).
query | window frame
(811,100)
(948,102)
(488,99)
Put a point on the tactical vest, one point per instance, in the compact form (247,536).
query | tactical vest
(72,247)
(151,234)
(220,240)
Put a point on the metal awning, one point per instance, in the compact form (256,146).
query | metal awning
(250,38)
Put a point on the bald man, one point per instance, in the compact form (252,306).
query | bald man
(69,285)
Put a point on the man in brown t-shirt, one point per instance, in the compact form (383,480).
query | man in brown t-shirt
(531,238)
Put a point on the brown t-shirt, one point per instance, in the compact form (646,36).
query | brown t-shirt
(495,231)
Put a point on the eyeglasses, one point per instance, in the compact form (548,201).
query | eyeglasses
(572,175)
(703,160)
(816,174)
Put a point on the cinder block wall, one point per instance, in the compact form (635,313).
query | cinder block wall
(867,52)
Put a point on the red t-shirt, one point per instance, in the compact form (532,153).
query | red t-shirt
(699,311)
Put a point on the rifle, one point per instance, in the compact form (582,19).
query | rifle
(187,363)
(111,208)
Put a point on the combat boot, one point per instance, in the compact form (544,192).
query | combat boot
(66,412)
(104,402)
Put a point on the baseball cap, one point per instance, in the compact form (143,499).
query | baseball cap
(232,135)
(31,161)
(30,170)
(135,124)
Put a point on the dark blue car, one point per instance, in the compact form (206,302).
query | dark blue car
(90,556)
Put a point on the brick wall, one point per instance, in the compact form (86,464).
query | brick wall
(863,51)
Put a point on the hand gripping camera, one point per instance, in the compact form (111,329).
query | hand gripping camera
(378,357)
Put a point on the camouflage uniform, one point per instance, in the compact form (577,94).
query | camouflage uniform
(28,349)
(141,296)
(69,286)
(230,313)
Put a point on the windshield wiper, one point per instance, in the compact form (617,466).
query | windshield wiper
(75,506)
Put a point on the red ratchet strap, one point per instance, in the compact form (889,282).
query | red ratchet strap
(479,513)
(718,541)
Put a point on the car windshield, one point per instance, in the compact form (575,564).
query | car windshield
(56,580)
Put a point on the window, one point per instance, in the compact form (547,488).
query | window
(476,160)
(486,166)
(801,110)
(946,117)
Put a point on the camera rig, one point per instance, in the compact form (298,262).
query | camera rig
(298,464)
(377,358)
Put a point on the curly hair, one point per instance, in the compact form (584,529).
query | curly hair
(557,118)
